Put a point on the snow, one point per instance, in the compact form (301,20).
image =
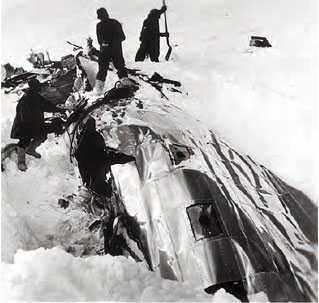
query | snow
(262,101)
(61,277)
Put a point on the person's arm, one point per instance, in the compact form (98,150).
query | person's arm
(119,36)
(116,157)
(143,34)
(47,106)
(152,22)
(163,9)
(23,110)
(98,33)
(164,35)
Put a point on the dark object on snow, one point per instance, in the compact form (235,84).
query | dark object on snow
(38,59)
(55,90)
(155,81)
(150,36)
(68,62)
(76,47)
(64,203)
(58,89)
(259,42)
(8,71)
(158,78)
(110,36)
(17,79)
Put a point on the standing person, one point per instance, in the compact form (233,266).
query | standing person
(150,36)
(110,36)
(28,125)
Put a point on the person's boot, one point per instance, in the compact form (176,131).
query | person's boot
(30,150)
(98,88)
(21,158)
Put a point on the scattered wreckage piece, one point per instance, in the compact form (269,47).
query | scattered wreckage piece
(37,59)
(7,71)
(59,87)
(157,81)
(16,80)
(193,208)
(259,41)
(57,78)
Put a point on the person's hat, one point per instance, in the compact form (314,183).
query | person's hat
(102,13)
(34,84)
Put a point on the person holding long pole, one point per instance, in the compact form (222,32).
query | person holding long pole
(150,36)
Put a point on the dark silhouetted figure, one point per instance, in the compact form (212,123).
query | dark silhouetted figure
(29,126)
(110,36)
(95,160)
(150,36)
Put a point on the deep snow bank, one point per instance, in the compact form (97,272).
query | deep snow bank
(59,276)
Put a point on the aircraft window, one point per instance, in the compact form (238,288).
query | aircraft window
(204,221)
(179,153)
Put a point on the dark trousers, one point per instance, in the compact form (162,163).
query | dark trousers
(150,48)
(108,54)
(26,140)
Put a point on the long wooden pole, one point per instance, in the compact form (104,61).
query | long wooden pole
(168,54)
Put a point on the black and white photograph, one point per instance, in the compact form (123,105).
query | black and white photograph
(159,151)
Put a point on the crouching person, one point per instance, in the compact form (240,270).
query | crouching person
(28,125)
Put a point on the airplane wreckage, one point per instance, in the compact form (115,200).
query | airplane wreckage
(170,193)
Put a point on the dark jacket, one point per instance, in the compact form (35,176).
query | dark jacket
(150,30)
(95,161)
(109,31)
(29,119)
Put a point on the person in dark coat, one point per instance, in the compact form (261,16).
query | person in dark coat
(150,36)
(28,125)
(110,36)
(95,160)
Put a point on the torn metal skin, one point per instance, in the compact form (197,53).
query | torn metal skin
(197,210)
